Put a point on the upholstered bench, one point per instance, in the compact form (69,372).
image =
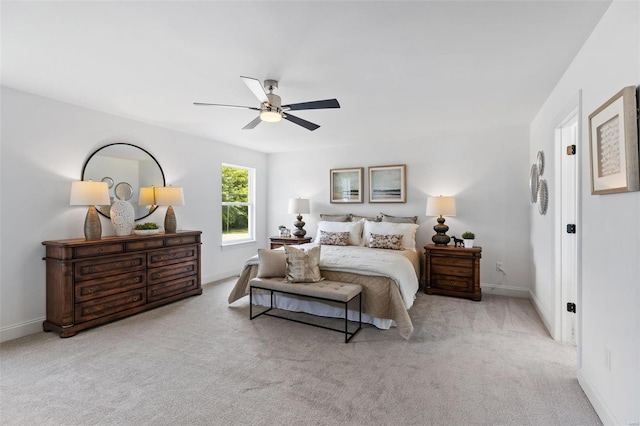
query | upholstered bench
(333,291)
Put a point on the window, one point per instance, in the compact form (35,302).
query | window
(237,204)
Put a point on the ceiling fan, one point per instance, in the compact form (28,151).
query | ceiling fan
(271,108)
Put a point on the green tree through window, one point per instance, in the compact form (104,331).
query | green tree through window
(236,203)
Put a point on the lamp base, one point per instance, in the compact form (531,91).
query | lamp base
(441,238)
(170,222)
(299,233)
(92,226)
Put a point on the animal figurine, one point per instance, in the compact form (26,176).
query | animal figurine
(457,241)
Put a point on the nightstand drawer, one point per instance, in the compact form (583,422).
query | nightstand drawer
(447,282)
(451,270)
(461,262)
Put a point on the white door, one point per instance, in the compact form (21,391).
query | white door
(568,137)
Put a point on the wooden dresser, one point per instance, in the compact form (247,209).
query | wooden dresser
(94,282)
(453,271)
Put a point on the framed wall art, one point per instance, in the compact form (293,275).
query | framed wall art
(387,184)
(613,143)
(346,185)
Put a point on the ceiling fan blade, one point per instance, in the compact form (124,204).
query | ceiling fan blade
(253,123)
(256,87)
(228,106)
(327,103)
(300,122)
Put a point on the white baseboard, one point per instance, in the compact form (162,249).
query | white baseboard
(220,276)
(594,397)
(505,290)
(542,314)
(20,330)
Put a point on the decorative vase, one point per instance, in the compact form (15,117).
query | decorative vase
(468,243)
(122,217)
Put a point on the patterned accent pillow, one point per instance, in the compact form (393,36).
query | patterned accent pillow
(386,241)
(302,266)
(334,238)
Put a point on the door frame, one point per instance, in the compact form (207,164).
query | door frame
(573,111)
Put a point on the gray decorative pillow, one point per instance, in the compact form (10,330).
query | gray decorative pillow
(302,266)
(336,217)
(399,219)
(386,241)
(273,263)
(328,238)
(355,218)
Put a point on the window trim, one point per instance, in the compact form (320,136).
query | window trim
(250,205)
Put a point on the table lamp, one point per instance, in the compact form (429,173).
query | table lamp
(441,206)
(92,194)
(147,197)
(299,206)
(169,196)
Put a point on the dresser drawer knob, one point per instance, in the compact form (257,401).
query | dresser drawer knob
(135,298)
(90,290)
(181,240)
(100,250)
(135,280)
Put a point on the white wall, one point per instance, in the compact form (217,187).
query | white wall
(609,301)
(44,146)
(487,172)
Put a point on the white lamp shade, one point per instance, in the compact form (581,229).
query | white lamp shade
(89,193)
(169,196)
(441,206)
(299,206)
(147,196)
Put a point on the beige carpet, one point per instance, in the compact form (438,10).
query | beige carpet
(200,362)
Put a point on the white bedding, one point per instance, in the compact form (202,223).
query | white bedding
(400,266)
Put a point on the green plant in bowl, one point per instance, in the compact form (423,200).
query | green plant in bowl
(468,235)
(146,226)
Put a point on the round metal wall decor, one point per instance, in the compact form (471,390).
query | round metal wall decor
(534,179)
(540,162)
(543,197)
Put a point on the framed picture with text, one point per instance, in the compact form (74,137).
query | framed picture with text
(387,184)
(346,185)
(613,143)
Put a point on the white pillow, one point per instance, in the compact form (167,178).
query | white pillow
(353,228)
(408,231)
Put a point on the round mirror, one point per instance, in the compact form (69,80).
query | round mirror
(126,168)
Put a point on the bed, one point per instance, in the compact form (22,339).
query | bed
(389,277)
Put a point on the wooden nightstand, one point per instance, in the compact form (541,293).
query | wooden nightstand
(287,241)
(453,271)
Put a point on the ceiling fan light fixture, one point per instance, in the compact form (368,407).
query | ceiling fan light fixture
(270,116)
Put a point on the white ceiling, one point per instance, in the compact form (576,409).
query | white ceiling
(400,70)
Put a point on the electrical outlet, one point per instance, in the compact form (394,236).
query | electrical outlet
(499,266)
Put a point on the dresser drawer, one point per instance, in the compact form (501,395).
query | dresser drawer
(452,261)
(108,305)
(446,282)
(99,250)
(178,241)
(145,244)
(171,288)
(97,268)
(170,256)
(172,272)
(93,289)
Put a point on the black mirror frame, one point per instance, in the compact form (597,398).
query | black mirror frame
(164,182)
